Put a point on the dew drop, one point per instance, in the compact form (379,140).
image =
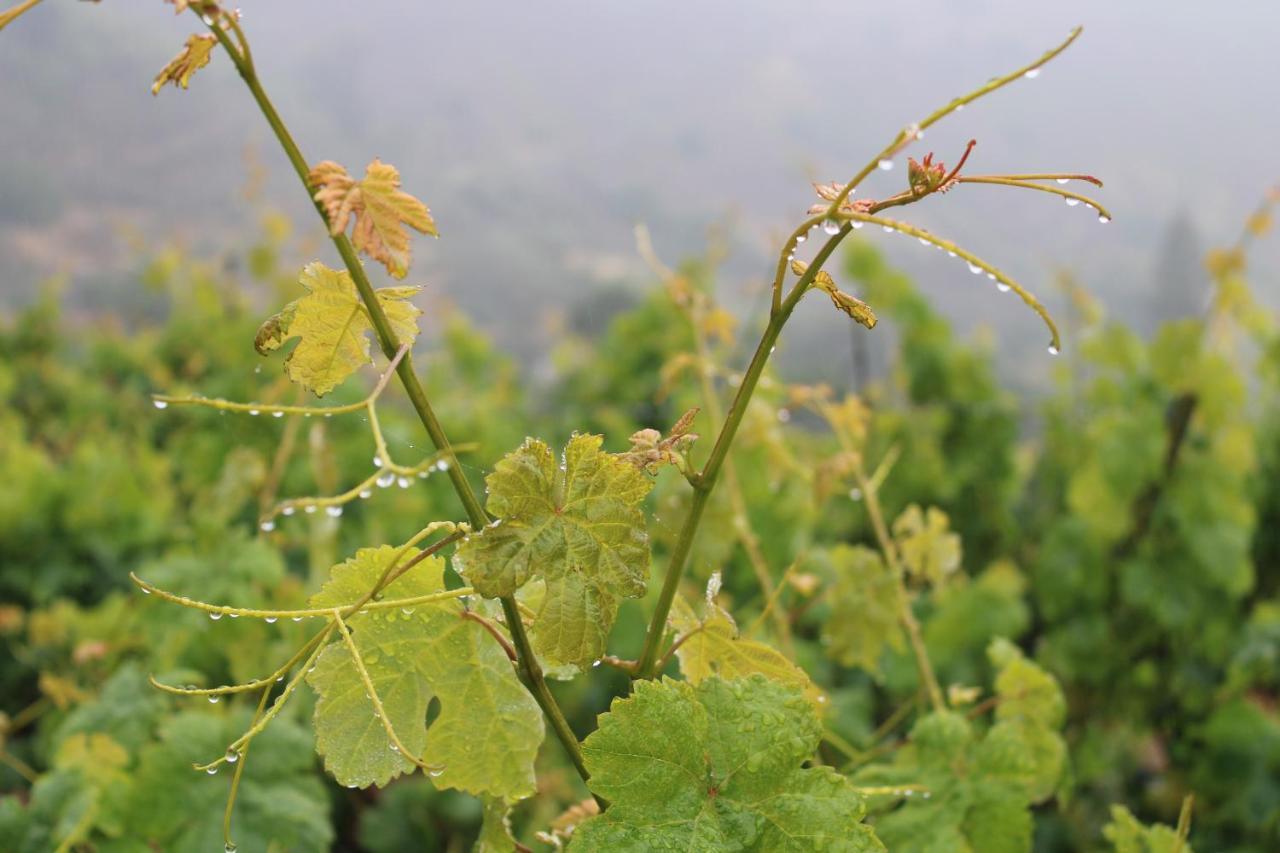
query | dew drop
(404,482)
(885,165)
(277,414)
(1072,202)
(160,404)
(145,591)
(267,526)
(1053,350)
(234,615)
(436,773)
(310,509)
(288,510)
(215,616)
(1063,180)
(394,748)
(232,756)
(377,462)
(229,847)
(385,480)
(442,465)
(831,226)
(333,511)
(213,700)
(271,620)
(856,225)
(407,611)
(924,242)
(212,771)
(595,663)
(1002,287)
(975,269)
(1103,218)
(991,276)
(1032,74)
(855,494)
(295,619)
(253,412)
(365,494)
(800,238)
(889,229)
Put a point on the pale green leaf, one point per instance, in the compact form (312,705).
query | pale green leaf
(489,727)
(578,527)
(381,208)
(866,603)
(333,327)
(495,828)
(716,766)
(1129,835)
(714,648)
(929,550)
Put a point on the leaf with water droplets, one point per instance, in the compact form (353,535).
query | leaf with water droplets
(716,766)
(714,648)
(489,728)
(381,208)
(865,607)
(578,526)
(193,56)
(332,326)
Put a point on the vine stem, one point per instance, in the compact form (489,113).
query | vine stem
(528,667)
(905,614)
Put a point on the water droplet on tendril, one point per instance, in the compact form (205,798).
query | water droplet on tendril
(160,404)
(1072,202)
(232,756)
(229,847)
(377,462)
(271,620)
(234,615)
(856,225)
(1053,349)
(442,465)
(277,414)
(889,229)
(831,226)
(436,772)
(253,412)
(213,700)
(215,616)
(288,510)
(395,748)
(309,509)
(333,511)
(885,165)
(211,770)
(975,269)
(800,238)
(924,242)
(1103,218)
(386,480)
(1063,180)
(1032,73)
(145,591)
(295,619)
(365,494)
(1002,287)
(404,482)
(267,526)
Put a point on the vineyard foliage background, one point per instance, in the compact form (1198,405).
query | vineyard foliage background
(914,615)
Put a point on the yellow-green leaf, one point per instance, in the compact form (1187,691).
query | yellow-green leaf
(332,325)
(381,208)
(193,56)
(866,603)
(930,551)
(489,728)
(578,526)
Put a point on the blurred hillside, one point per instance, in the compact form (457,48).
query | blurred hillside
(540,135)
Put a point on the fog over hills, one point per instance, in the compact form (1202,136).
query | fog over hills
(541,133)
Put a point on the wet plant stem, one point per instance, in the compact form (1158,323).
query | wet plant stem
(527,666)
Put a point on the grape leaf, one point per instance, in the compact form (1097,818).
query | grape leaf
(929,550)
(1129,835)
(716,766)
(579,527)
(980,789)
(332,326)
(193,56)
(865,607)
(713,648)
(381,208)
(495,828)
(281,804)
(489,728)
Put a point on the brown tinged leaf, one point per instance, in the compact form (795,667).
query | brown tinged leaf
(562,827)
(851,305)
(381,208)
(193,56)
(649,450)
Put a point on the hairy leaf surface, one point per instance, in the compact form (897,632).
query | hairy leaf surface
(717,766)
(578,526)
(332,326)
(489,727)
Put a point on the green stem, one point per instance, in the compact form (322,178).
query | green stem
(530,671)
(706,480)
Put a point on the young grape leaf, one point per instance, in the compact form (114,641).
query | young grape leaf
(332,326)
(579,527)
(929,550)
(1129,835)
(381,208)
(489,728)
(865,607)
(713,648)
(716,766)
(193,56)
(980,789)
